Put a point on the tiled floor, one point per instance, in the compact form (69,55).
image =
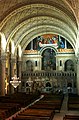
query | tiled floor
(63,111)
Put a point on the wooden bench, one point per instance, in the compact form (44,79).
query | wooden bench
(11,108)
(73,102)
(50,103)
(3,114)
(43,106)
(35,114)
(31,118)
(22,99)
(71,117)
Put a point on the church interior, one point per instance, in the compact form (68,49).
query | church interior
(39,60)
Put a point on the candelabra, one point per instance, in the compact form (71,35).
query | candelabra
(15,81)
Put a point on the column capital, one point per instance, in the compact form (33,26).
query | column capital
(13,59)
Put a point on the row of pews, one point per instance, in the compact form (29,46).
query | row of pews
(10,104)
(52,102)
(44,109)
(21,98)
(71,117)
(7,110)
(72,104)
(35,114)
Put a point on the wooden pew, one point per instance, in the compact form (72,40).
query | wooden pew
(31,118)
(71,117)
(14,106)
(54,99)
(35,114)
(11,108)
(10,104)
(73,102)
(49,103)
(3,114)
(42,106)
(6,110)
(22,99)
(53,103)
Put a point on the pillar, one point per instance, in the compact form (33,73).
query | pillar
(32,45)
(77,82)
(11,64)
(65,44)
(19,73)
(2,75)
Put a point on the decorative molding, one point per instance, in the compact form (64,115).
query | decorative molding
(66,50)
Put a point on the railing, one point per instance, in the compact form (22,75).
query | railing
(48,73)
(57,79)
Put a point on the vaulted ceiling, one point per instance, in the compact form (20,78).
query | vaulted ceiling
(23,20)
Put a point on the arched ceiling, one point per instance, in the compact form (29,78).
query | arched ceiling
(23,20)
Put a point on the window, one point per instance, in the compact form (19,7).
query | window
(60,63)
(35,63)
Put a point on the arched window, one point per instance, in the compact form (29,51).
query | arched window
(49,59)
(69,65)
(29,65)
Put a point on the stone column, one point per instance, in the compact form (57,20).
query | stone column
(11,74)
(19,73)
(65,44)
(2,75)
(77,82)
(32,45)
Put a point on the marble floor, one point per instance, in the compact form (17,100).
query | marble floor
(63,111)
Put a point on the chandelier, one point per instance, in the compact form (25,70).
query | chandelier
(15,81)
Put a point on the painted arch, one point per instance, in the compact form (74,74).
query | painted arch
(24,20)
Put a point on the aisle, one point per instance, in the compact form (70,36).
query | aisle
(63,111)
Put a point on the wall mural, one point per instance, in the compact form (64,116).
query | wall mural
(49,60)
(49,55)
(51,40)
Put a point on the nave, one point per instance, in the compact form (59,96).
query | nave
(58,115)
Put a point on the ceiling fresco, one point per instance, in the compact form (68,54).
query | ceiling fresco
(23,20)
